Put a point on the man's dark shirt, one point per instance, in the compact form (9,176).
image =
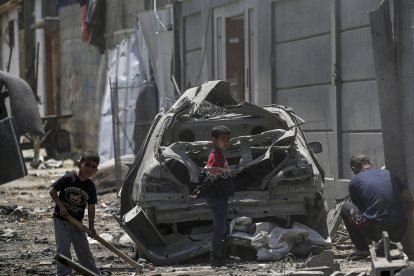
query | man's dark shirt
(75,194)
(376,193)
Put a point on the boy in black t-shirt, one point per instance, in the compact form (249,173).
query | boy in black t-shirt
(72,193)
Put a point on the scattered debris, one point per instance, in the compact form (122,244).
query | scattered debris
(53,164)
(323,259)
(8,233)
(383,261)
(41,240)
(126,240)
(105,236)
(409,271)
(273,243)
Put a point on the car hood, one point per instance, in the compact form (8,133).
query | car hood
(218,93)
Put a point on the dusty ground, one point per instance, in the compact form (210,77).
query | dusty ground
(27,236)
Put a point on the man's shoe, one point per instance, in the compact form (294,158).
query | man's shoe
(358,255)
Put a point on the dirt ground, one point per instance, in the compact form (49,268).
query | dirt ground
(28,247)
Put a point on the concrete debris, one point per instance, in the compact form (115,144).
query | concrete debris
(53,164)
(383,263)
(278,243)
(46,263)
(107,237)
(8,233)
(38,211)
(324,259)
(126,240)
(19,212)
(7,210)
(409,271)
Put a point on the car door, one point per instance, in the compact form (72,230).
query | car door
(12,165)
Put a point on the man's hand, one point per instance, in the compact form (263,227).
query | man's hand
(63,212)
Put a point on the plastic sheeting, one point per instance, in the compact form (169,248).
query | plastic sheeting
(273,243)
(123,64)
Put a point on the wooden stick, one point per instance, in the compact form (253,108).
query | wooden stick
(112,248)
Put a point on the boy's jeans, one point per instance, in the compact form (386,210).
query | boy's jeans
(67,234)
(219,208)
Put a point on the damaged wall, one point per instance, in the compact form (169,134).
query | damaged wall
(79,69)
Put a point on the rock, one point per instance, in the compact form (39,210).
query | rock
(7,210)
(37,211)
(325,258)
(40,241)
(25,256)
(117,235)
(107,266)
(125,240)
(8,233)
(18,212)
(52,163)
(46,263)
(107,237)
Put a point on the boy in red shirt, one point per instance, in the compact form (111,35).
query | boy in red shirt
(217,187)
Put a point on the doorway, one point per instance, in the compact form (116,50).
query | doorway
(235,55)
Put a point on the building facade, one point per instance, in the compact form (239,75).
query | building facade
(314,56)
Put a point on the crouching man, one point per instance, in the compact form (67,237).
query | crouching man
(379,203)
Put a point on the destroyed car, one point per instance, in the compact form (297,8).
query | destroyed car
(275,173)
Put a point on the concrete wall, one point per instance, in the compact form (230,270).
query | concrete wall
(315,56)
(313,41)
(79,67)
(121,18)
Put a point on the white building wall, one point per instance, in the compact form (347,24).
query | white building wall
(40,38)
